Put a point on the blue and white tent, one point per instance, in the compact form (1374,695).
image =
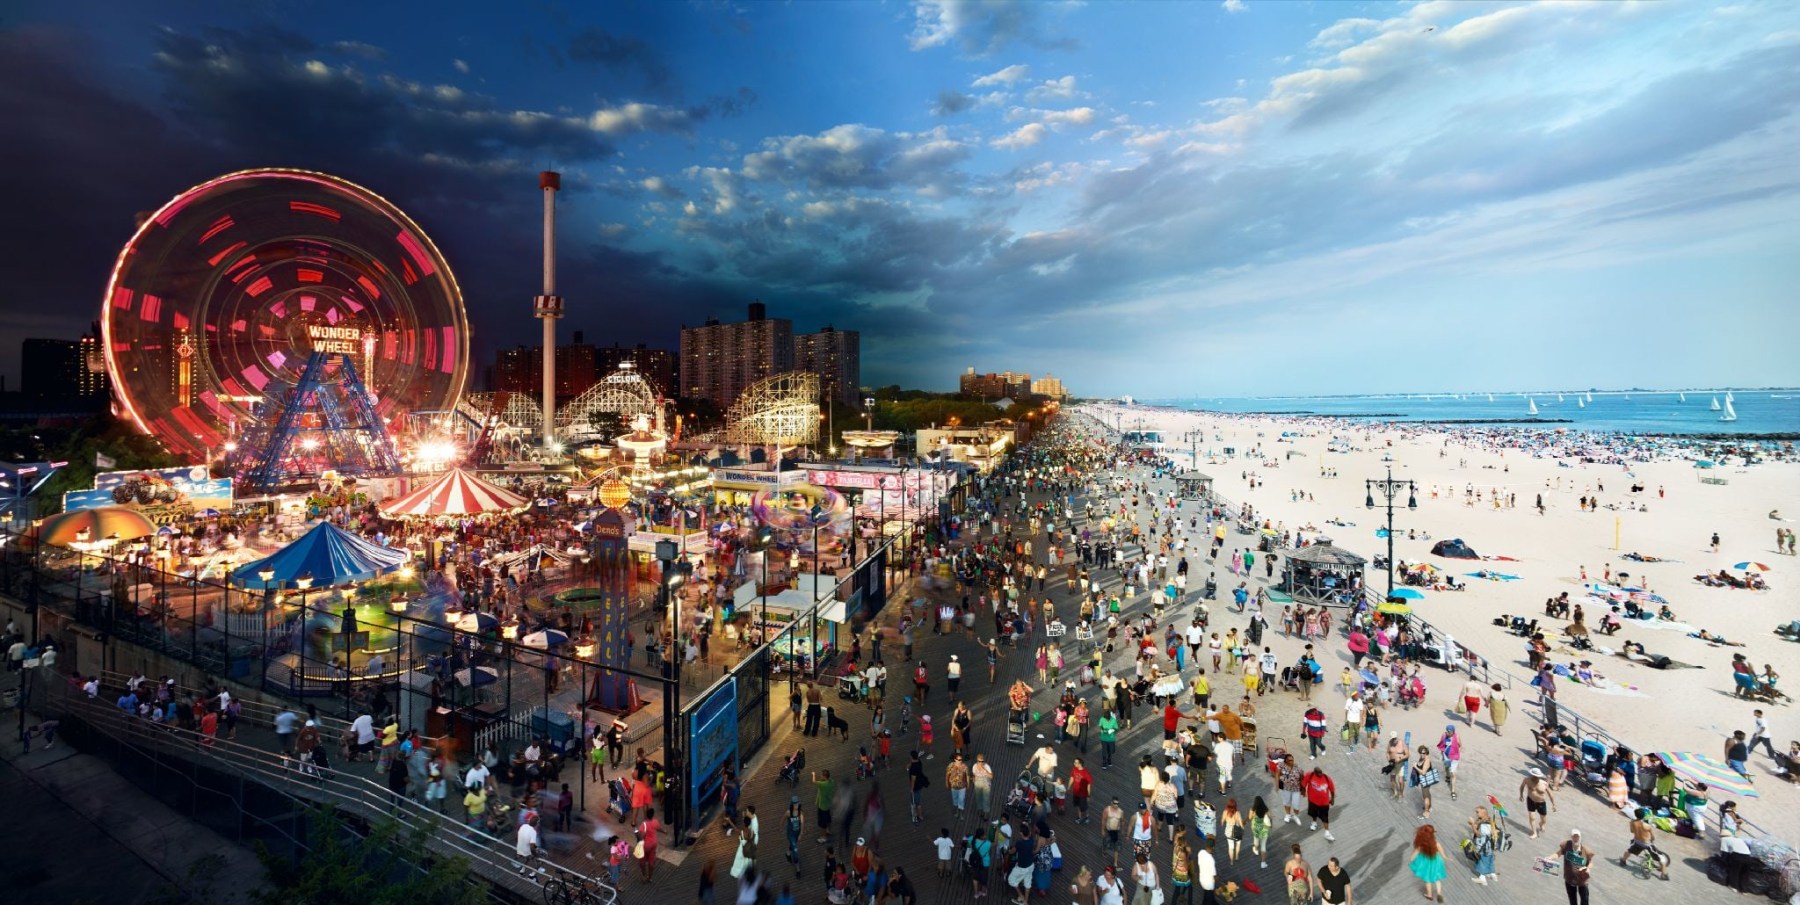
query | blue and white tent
(327,554)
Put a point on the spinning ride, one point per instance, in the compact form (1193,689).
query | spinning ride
(218,302)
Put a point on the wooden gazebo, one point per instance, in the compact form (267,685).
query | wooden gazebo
(1323,574)
(1193,485)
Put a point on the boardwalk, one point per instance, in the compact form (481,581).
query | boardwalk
(1374,833)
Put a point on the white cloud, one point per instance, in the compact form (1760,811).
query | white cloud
(1007,76)
(1234,6)
(461,66)
(1080,116)
(613,230)
(1341,32)
(635,117)
(1024,137)
(1054,90)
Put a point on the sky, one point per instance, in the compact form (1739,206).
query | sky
(1162,199)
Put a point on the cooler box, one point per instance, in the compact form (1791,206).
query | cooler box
(556,728)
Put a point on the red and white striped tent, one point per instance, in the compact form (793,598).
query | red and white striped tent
(455,492)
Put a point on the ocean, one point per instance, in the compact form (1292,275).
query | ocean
(1758,411)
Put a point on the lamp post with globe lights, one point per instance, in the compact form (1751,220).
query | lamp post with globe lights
(1390,490)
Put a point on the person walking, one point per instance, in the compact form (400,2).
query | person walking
(956,779)
(1484,843)
(1643,838)
(1312,724)
(1334,883)
(1109,738)
(1260,825)
(1577,865)
(1396,766)
(1497,707)
(1450,746)
(1424,775)
(1428,862)
(1539,798)
(1759,734)
(1146,885)
(1301,884)
(981,779)
(1181,872)
(1321,794)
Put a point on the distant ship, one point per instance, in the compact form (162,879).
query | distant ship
(1490,397)
(1558,397)
(1730,414)
(1580,404)
(1533,409)
(1715,404)
(1590,397)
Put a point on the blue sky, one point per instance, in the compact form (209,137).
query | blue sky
(1159,199)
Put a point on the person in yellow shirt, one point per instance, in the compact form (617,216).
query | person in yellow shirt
(475,803)
(1202,689)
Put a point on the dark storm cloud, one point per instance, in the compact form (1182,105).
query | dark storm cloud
(621,53)
(950,102)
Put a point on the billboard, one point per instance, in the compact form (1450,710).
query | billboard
(180,490)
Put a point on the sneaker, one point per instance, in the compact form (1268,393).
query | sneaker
(1315,825)
(1263,864)
(1329,837)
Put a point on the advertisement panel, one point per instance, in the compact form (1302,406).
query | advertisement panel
(712,744)
(156,491)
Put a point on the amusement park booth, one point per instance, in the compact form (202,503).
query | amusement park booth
(1322,573)
(1193,485)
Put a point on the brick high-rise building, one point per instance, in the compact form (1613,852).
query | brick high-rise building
(577,369)
(836,356)
(654,365)
(519,369)
(991,387)
(719,360)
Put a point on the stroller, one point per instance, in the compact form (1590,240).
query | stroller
(1591,768)
(1412,692)
(790,769)
(850,688)
(1025,795)
(618,800)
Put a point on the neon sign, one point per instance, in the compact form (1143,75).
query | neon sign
(347,340)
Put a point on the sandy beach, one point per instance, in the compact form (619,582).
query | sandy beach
(1307,479)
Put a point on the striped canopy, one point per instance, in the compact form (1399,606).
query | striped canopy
(455,492)
(1715,773)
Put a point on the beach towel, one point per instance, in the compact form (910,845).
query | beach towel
(1492,576)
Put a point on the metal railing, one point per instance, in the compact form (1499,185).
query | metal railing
(491,858)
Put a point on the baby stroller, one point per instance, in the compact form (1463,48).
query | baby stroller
(1592,766)
(1275,750)
(618,800)
(1016,722)
(790,769)
(1025,795)
(1412,692)
(850,688)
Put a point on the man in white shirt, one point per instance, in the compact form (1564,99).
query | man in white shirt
(1760,733)
(1353,717)
(953,675)
(364,728)
(1206,871)
(527,847)
(92,687)
(1196,636)
(376,666)
(477,776)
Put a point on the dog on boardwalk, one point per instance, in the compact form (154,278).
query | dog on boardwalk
(837,724)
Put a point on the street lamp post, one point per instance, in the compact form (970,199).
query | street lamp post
(1390,489)
(665,555)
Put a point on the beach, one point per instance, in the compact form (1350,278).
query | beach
(1315,475)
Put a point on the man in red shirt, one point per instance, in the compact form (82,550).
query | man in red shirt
(1171,720)
(1321,793)
(1081,785)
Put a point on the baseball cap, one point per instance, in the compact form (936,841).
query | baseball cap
(1574,832)
(1450,728)
(861,841)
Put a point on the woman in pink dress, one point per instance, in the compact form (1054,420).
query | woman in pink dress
(1312,624)
(1237,562)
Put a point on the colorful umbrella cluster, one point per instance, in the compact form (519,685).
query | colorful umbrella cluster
(1715,773)
(455,492)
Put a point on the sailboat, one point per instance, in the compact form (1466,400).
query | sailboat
(1490,397)
(1715,404)
(1590,397)
(1680,397)
(1730,414)
(1580,404)
(1728,396)
(1533,409)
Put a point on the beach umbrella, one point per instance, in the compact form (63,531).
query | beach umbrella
(208,513)
(1749,566)
(1370,678)
(477,622)
(477,677)
(1408,594)
(544,639)
(1715,773)
(1394,608)
(94,525)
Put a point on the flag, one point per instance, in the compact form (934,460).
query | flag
(102,460)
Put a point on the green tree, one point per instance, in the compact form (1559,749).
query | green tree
(117,439)
(389,865)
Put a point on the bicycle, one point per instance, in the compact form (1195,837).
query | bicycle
(1650,862)
(572,890)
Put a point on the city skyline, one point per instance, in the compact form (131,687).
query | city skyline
(1372,194)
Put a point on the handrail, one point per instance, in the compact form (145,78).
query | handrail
(261,712)
(357,793)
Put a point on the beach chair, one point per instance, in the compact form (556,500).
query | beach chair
(1016,722)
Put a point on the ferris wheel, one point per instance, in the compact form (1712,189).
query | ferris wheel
(217,303)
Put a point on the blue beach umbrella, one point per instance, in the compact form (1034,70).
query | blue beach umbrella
(1408,594)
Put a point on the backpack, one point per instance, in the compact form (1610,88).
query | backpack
(973,856)
(1502,840)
